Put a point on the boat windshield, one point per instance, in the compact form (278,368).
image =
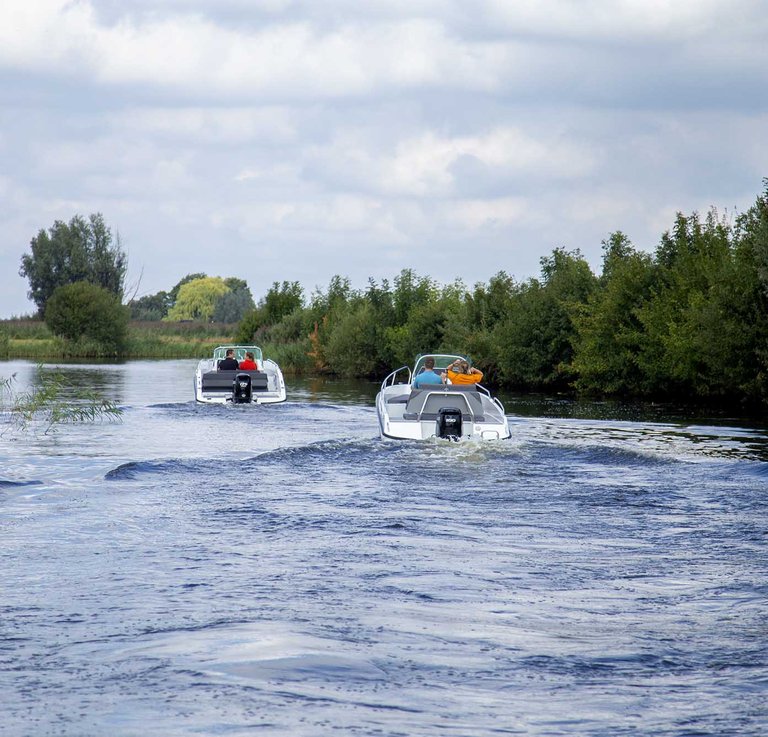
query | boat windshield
(442,360)
(240,350)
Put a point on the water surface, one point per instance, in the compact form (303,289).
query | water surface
(280,570)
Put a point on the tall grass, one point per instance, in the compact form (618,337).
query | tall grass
(175,339)
(31,339)
(293,358)
(25,338)
(35,348)
(18,328)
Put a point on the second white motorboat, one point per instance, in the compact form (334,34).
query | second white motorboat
(449,411)
(264,385)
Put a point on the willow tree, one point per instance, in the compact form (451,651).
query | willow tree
(197,299)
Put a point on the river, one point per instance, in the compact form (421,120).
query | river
(280,570)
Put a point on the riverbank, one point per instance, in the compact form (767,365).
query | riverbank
(27,339)
(31,339)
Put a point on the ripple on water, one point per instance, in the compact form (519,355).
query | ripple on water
(585,578)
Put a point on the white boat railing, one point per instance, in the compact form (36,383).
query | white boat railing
(390,380)
(493,399)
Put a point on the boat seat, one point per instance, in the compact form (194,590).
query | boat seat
(426,402)
(402,399)
(463,388)
(222,381)
(425,416)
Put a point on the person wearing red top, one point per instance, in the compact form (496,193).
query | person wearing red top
(249,364)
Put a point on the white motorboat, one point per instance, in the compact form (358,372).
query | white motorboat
(451,411)
(265,385)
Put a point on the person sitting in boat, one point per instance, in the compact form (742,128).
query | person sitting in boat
(428,375)
(249,363)
(229,362)
(459,372)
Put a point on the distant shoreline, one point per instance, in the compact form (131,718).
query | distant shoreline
(31,339)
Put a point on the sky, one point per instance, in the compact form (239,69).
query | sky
(296,140)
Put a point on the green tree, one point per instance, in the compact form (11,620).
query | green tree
(436,323)
(84,310)
(197,299)
(150,307)
(173,295)
(81,250)
(351,346)
(336,297)
(411,290)
(233,305)
(281,300)
(489,305)
(536,341)
(610,334)
(692,262)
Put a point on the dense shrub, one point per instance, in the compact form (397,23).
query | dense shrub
(85,311)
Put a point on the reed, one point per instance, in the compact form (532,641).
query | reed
(35,348)
(31,339)
(293,358)
(146,346)
(25,328)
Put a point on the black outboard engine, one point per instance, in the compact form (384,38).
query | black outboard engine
(448,423)
(242,392)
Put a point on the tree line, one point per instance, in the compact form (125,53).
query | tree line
(76,273)
(687,321)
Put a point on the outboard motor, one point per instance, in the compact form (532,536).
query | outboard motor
(242,392)
(448,423)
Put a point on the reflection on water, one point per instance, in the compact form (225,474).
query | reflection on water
(331,389)
(171,381)
(107,380)
(542,405)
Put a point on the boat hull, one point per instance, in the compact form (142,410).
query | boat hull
(217,387)
(415,414)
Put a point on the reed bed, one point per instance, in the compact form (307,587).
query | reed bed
(31,339)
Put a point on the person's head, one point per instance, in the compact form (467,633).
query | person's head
(429,363)
(461,366)
(249,355)
(230,352)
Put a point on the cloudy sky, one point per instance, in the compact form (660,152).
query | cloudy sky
(298,139)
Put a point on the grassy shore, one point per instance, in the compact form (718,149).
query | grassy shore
(31,339)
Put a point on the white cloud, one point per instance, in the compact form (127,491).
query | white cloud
(619,20)
(208,126)
(361,138)
(192,52)
(428,165)
(473,215)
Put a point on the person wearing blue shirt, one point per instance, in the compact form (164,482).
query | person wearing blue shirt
(429,375)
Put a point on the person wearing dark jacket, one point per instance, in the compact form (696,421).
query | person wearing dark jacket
(229,362)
